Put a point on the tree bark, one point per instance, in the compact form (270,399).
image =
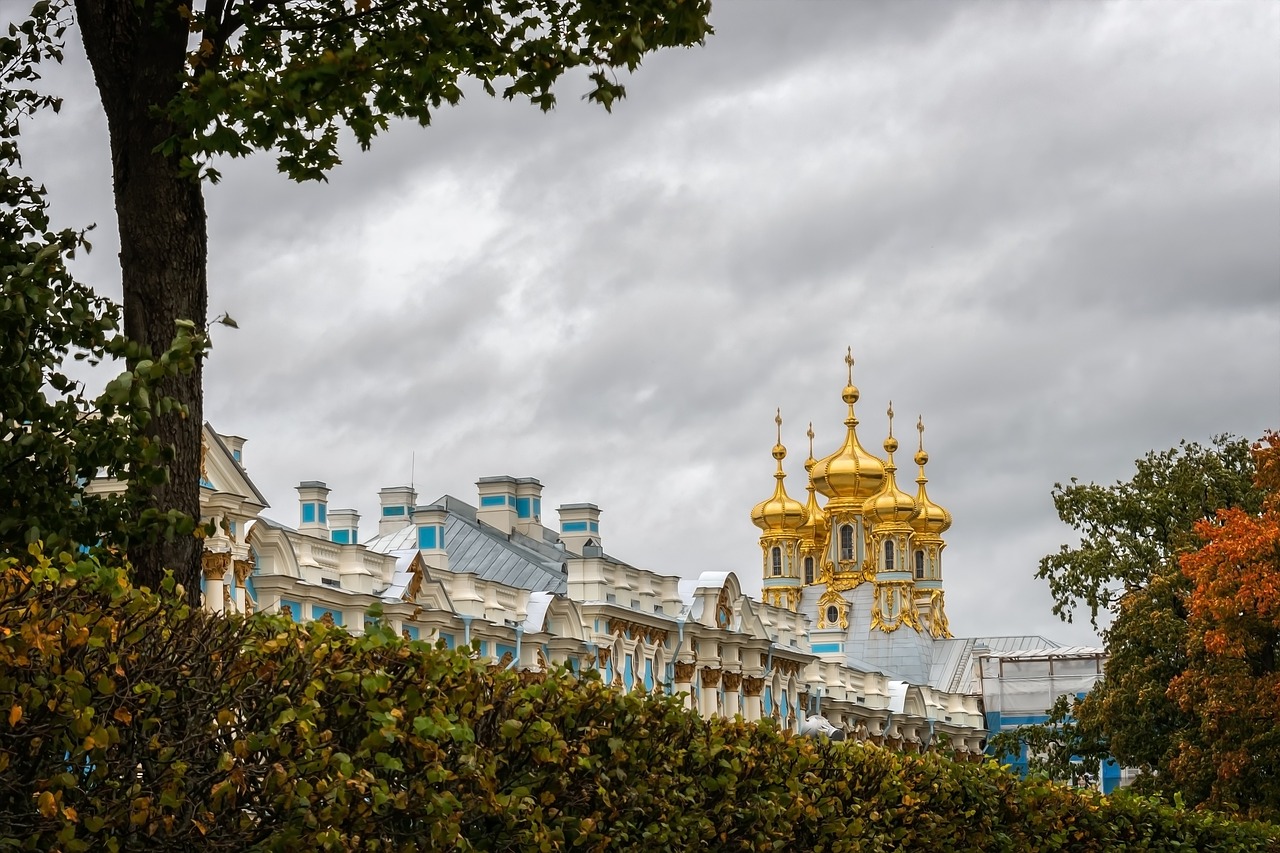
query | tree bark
(138,53)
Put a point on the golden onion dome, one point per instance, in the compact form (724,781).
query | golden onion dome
(851,473)
(816,526)
(779,513)
(890,503)
(932,519)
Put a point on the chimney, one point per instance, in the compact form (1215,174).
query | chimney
(397,502)
(235,444)
(497,503)
(430,523)
(529,507)
(313,507)
(344,526)
(579,526)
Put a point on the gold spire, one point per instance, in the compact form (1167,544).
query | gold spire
(932,518)
(851,473)
(890,503)
(815,528)
(780,513)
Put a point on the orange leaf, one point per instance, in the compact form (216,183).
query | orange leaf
(15,714)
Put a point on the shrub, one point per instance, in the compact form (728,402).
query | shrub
(134,721)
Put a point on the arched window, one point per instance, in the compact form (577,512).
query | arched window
(777,561)
(833,615)
(888,556)
(846,542)
(919,564)
(808,569)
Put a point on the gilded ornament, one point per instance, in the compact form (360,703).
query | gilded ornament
(684,671)
(732,680)
(752,685)
(710,676)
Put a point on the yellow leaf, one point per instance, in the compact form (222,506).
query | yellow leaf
(15,714)
(47,805)
(123,716)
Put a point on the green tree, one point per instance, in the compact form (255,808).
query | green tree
(1060,748)
(182,81)
(1126,566)
(57,437)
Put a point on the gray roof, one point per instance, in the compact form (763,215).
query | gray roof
(952,668)
(478,549)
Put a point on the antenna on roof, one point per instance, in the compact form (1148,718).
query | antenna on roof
(413,461)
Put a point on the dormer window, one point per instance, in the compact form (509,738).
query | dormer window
(919,564)
(888,556)
(833,615)
(808,569)
(777,561)
(846,542)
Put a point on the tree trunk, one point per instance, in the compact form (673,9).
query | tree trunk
(138,55)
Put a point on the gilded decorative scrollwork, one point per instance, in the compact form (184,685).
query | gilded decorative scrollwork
(710,676)
(732,680)
(684,671)
(651,635)
(414,587)
(215,565)
(724,609)
(786,667)
(242,569)
(602,657)
(752,685)
(938,625)
(887,617)
(326,619)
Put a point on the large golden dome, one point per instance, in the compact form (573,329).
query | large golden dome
(890,504)
(779,513)
(851,473)
(932,518)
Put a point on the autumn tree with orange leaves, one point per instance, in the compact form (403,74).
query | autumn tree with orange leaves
(1231,684)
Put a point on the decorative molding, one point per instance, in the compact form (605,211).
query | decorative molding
(603,656)
(710,676)
(242,569)
(215,564)
(684,671)
(732,680)
(752,685)
(638,631)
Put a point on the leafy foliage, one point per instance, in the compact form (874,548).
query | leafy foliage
(1131,532)
(1231,683)
(57,437)
(1169,703)
(136,722)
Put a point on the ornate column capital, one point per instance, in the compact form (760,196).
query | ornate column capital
(710,676)
(684,671)
(732,680)
(752,685)
(215,565)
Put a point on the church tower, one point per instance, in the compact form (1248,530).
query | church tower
(890,513)
(926,556)
(846,479)
(780,519)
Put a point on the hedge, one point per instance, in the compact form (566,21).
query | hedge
(129,721)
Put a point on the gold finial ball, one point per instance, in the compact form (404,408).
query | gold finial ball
(890,444)
(850,394)
(779,452)
(922,458)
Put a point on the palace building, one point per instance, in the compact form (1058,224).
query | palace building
(851,623)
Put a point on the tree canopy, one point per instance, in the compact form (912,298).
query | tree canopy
(1185,557)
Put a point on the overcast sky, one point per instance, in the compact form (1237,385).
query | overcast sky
(1053,229)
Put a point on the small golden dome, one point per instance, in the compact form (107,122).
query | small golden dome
(932,519)
(816,527)
(890,503)
(851,473)
(779,513)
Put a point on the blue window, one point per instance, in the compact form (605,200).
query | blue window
(537,507)
(448,640)
(411,632)
(501,650)
(324,514)
(768,701)
(231,528)
(320,612)
(628,674)
(648,674)
(392,511)
(493,500)
(573,527)
(595,526)
(342,537)
(293,608)
(427,537)
(524,508)
(308,513)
